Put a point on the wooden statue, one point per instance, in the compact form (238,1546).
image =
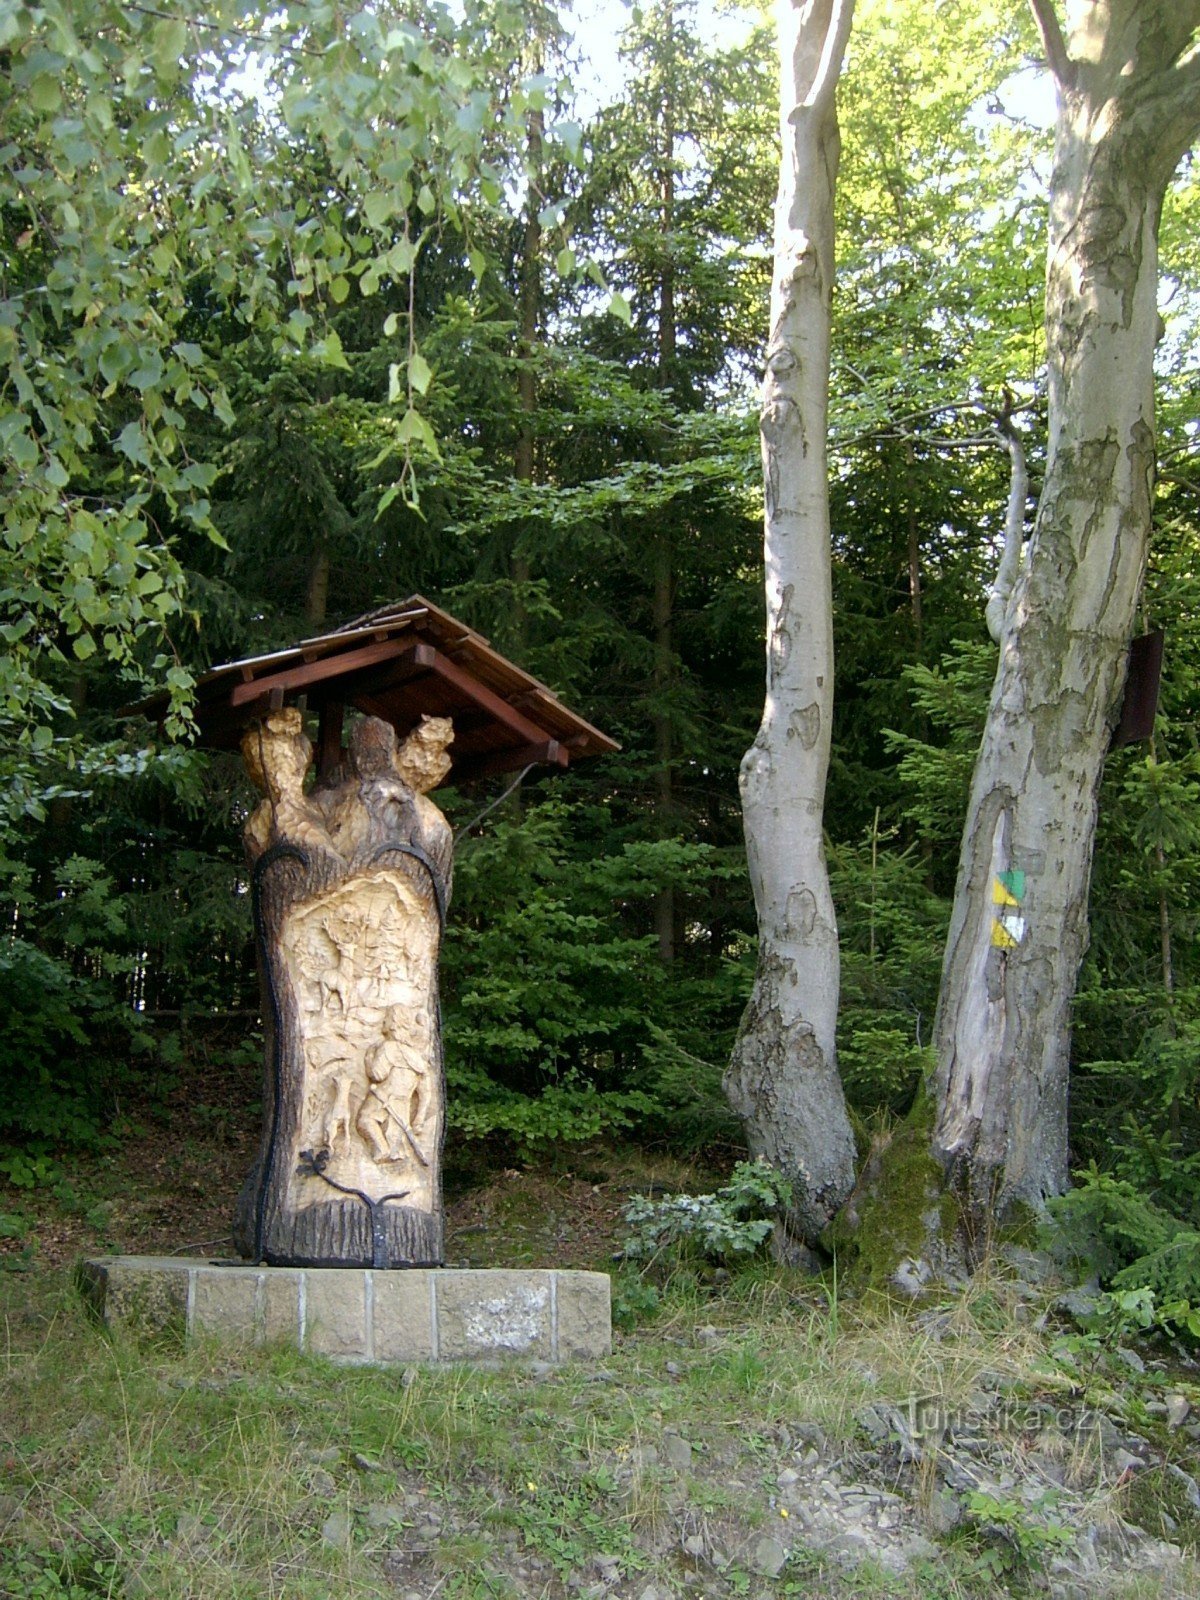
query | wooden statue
(351,885)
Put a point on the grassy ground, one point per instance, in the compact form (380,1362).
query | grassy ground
(687,1464)
(738,1419)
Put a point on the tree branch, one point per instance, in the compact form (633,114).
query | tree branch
(837,36)
(1014,524)
(1179,106)
(219,27)
(1055,46)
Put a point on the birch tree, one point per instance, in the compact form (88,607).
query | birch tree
(1127,76)
(783,1079)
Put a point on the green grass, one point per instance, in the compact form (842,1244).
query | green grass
(132,1468)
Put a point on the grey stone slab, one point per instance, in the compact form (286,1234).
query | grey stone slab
(584,1315)
(149,1293)
(335,1313)
(279,1305)
(359,1314)
(494,1313)
(224,1302)
(403,1316)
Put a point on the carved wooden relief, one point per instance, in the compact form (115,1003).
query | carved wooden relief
(351,885)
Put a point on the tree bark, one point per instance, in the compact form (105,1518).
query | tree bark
(1127,110)
(783,1077)
(316,594)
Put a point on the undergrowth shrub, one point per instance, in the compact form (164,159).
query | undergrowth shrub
(64,1038)
(726,1226)
(1132,1243)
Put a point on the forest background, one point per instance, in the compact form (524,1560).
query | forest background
(539,411)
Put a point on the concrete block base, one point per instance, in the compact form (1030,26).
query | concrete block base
(356,1314)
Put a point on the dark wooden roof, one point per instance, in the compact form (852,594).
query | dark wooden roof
(401,662)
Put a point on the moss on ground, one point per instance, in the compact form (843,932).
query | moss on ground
(899,1216)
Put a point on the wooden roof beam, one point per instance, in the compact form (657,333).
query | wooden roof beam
(549,751)
(530,732)
(370,655)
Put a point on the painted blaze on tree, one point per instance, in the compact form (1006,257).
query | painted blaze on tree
(1128,82)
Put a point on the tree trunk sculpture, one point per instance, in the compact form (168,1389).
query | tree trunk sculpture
(350,890)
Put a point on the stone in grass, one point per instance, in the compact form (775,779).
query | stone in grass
(918,1548)
(337,1530)
(767,1556)
(676,1452)
(945,1512)
(382,1518)
(1178,1407)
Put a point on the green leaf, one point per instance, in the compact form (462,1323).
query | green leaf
(45,94)
(329,350)
(170,43)
(131,442)
(83,645)
(402,257)
(419,372)
(414,429)
(22,451)
(618,304)
(149,375)
(379,208)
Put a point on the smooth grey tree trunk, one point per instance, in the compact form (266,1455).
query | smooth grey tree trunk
(1128,107)
(782,1080)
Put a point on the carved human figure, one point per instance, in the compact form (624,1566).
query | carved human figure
(277,753)
(423,760)
(394,1114)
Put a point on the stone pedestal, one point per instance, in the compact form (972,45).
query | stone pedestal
(356,1314)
